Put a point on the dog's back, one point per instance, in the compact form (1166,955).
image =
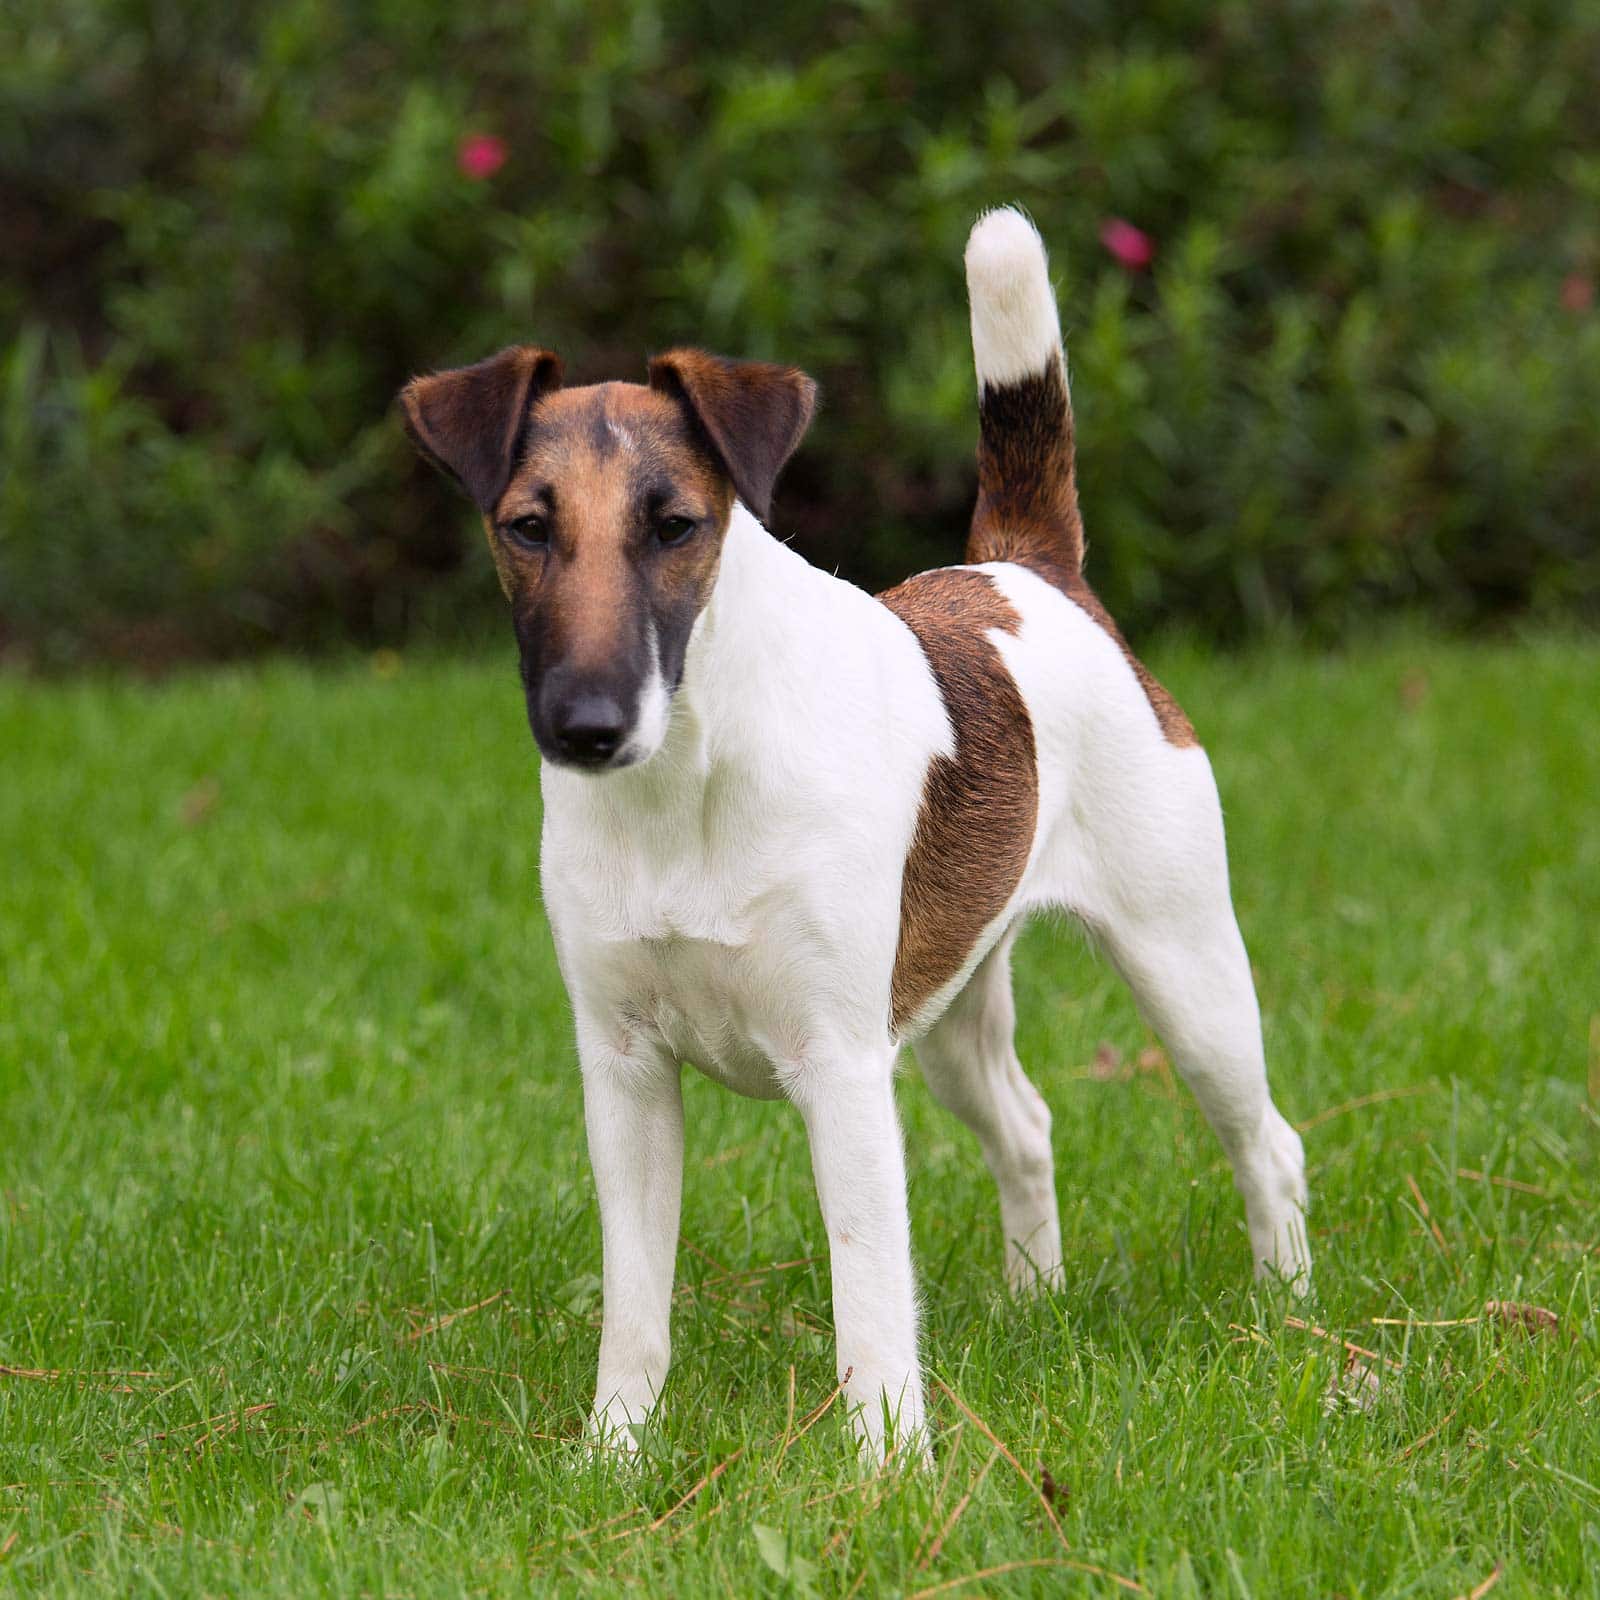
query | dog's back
(1036,699)
(1076,783)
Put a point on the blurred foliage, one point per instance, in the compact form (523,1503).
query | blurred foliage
(1362,370)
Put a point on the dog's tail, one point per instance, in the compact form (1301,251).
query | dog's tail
(1027,491)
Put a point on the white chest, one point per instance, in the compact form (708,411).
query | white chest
(735,900)
(745,952)
(724,1008)
(735,967)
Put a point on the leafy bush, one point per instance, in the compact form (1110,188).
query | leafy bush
(1362,368)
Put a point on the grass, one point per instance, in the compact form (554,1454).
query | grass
(298,1255)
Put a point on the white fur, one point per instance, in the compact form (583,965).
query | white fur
(655,704)
(1015,327)
(734,902)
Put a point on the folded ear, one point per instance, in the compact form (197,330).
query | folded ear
(468,421)
(754,414)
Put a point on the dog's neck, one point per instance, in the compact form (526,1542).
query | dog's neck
(758,635)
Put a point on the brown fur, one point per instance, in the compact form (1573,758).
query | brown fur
(1027,510)
(604,467)
(468,421)
(599,463)
(1027,482)
(753,414)
(979,806)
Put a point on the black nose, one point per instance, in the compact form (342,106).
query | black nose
(589,730)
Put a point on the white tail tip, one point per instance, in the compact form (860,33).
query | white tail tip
(1015,329)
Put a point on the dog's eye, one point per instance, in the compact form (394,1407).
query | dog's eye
(531,531)
(674,530)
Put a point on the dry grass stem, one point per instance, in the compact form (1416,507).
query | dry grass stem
(989,1434)
(1474,1176)
(956,1514)
(1354,1349)
(1480,1590)
(453,1316)
(1427,1215)
(1053,1562)
(1377,1097)
(952,1454)
(1409,1322)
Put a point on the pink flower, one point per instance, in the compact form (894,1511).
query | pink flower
(481,155)
(1132,246)
(1577,291)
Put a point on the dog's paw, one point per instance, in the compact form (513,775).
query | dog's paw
(1027,1278)
(612,1436)
(1274,1189)
(1282,1249)
(891,1436)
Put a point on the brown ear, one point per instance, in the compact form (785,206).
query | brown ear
(468,421)
(754,414)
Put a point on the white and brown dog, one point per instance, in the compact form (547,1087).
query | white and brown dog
(790,827)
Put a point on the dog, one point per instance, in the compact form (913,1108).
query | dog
(790,827)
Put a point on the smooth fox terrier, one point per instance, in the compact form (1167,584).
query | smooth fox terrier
(790,827)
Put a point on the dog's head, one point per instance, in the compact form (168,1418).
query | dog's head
(605,509)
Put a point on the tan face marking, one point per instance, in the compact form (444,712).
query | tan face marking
(631,510)
(608,468)
(979,806)
(606,508)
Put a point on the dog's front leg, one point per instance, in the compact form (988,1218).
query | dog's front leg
(859,1164)
(633,1109)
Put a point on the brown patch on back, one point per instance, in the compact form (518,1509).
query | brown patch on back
(979,806)
(1027,510)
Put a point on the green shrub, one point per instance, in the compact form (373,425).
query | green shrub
(1363,369)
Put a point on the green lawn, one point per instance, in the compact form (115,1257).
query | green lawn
(298,1260)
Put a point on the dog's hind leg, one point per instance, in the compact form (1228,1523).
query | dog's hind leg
(1166,922)
(969,1061)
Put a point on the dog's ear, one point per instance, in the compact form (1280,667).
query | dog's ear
(753,413)
(468,421)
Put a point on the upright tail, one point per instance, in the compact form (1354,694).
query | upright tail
(1027,507)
